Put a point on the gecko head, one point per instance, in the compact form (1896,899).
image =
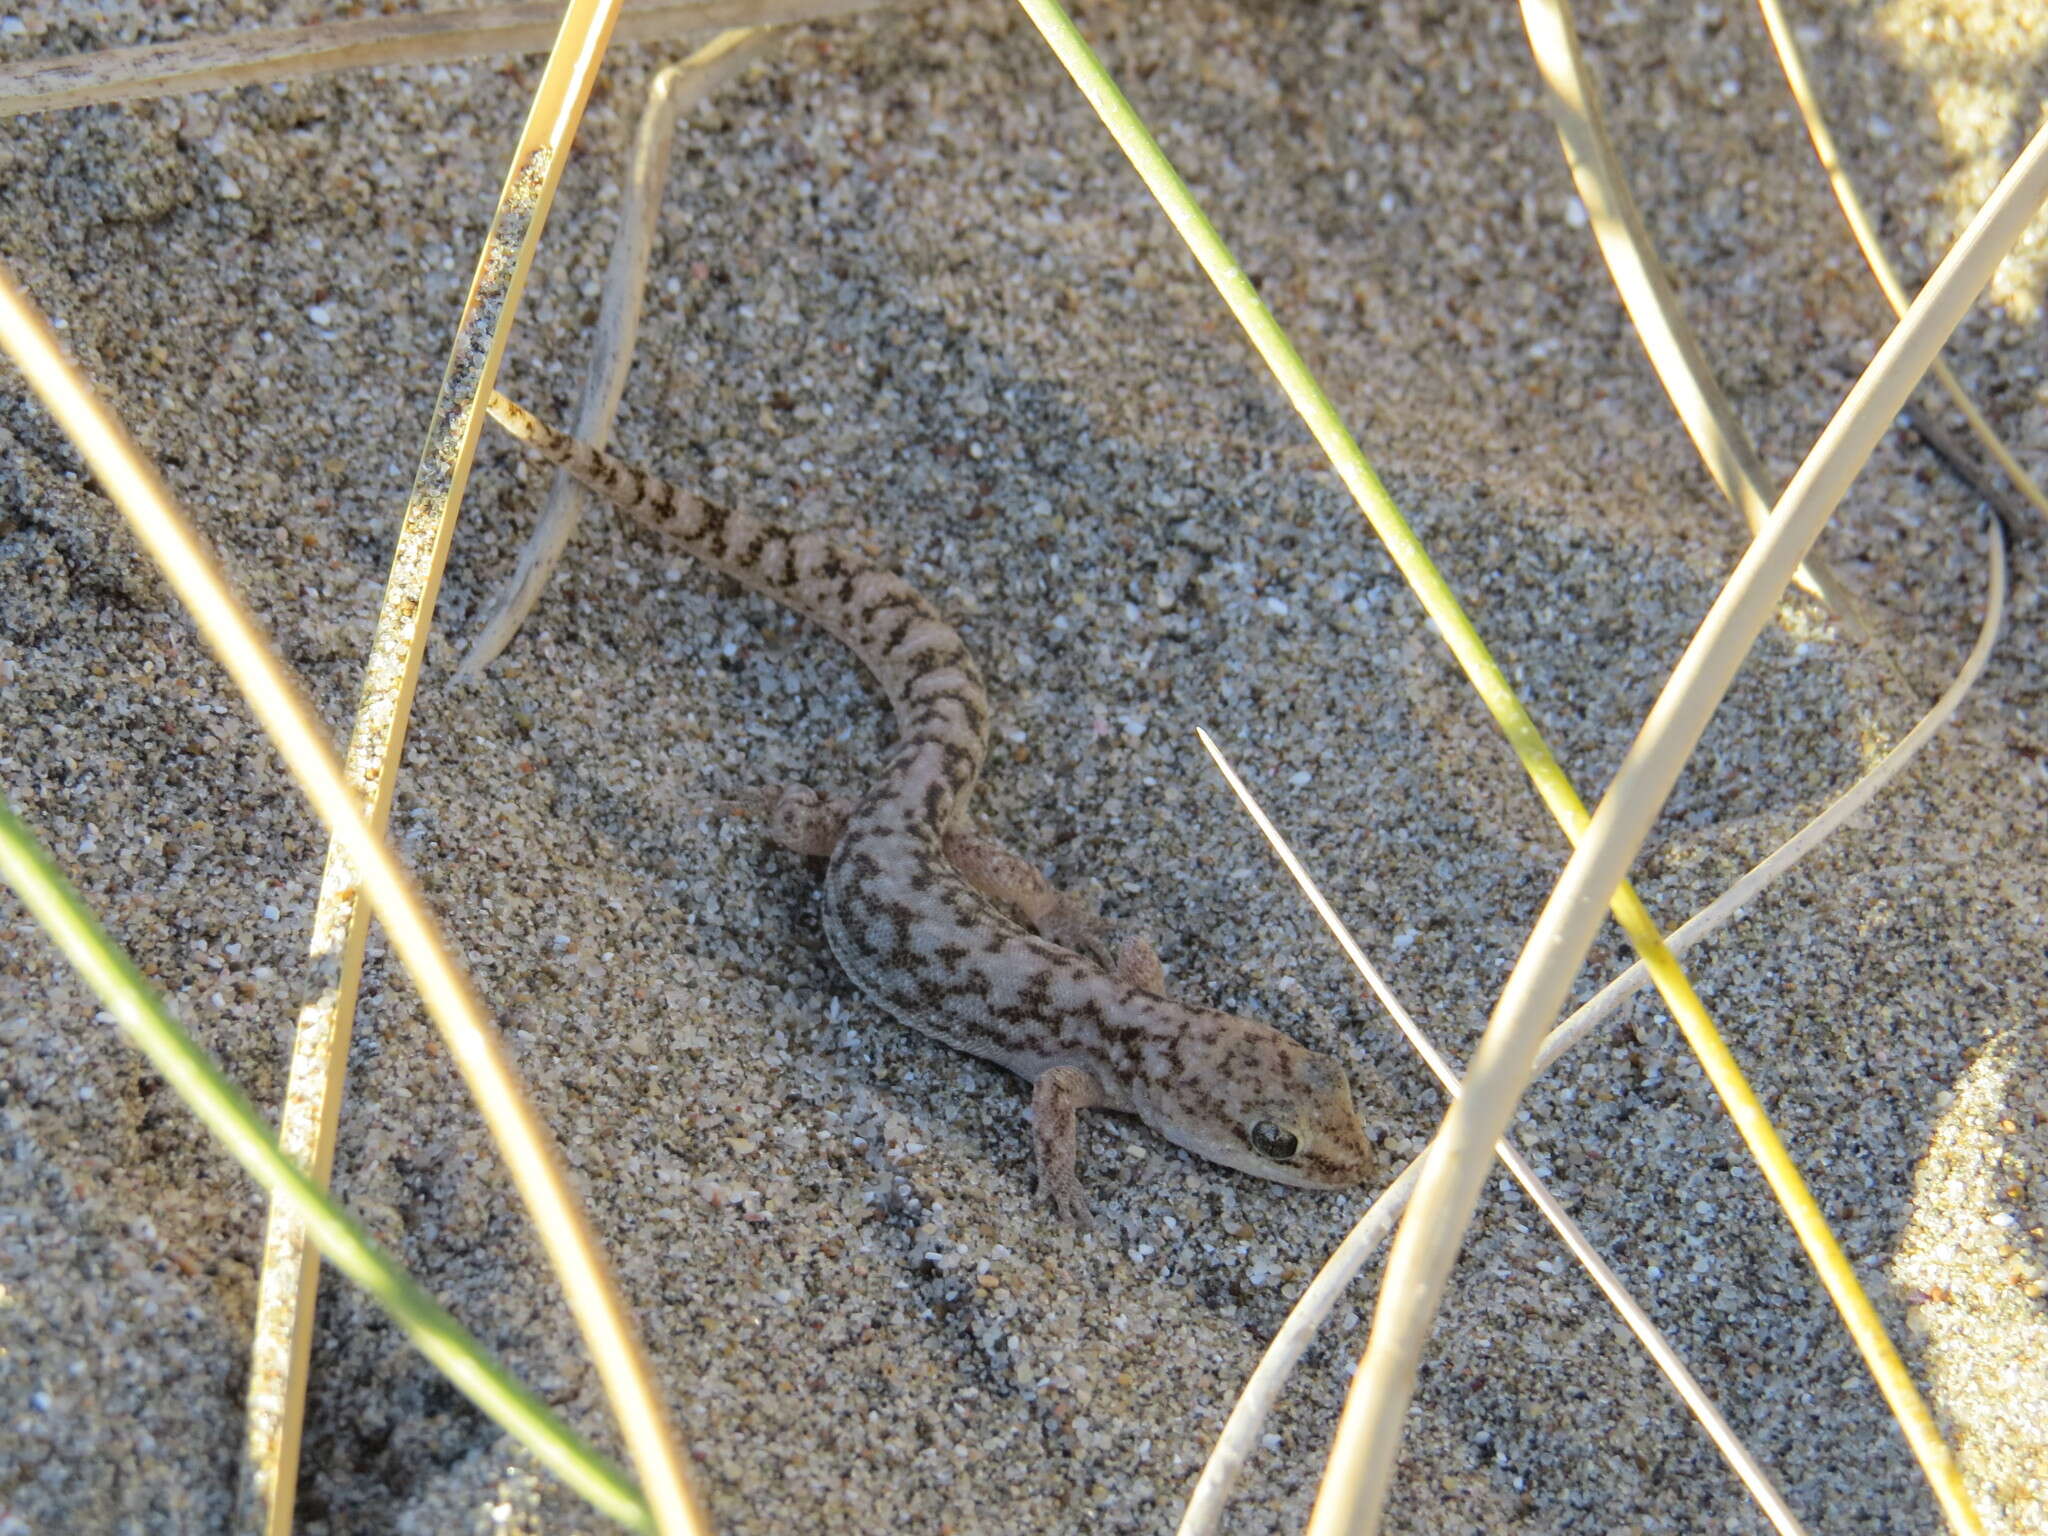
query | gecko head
(1265,1104)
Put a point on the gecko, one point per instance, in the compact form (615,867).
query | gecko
(953,933)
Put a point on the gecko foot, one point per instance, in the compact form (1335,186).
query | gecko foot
(1057,1098)
(800,819)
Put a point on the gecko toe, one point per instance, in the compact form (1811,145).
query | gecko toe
(1137,962)
(1068,1200)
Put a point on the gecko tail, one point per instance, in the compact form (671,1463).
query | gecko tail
(918,657)
(574,455)
(516,419)
(669,511)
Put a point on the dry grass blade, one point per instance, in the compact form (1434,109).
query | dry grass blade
(1667,1360)
(671,93)
(1354,1492)
(279,705)
(1729,903)
(1632,261)
(1794,65)
(289,1283)
(1312,1308)
(293,53)
(1406,550)
(1998,495)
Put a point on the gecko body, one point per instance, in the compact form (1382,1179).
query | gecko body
(956,936)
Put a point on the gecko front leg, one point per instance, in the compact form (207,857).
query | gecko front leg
(1057,1099)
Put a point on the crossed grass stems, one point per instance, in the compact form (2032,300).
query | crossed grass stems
(1353,1491)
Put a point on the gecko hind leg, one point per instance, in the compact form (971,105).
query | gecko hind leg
(796,818)
(1015,884)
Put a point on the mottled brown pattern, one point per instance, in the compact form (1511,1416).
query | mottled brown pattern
(929,918)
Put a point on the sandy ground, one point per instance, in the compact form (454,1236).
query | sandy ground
(904,286)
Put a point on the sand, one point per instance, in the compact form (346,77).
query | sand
(905,287)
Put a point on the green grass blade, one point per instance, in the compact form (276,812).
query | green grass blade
(56,906)
(1345,1486)
(1317,412)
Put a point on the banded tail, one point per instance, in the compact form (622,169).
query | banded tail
(919,659)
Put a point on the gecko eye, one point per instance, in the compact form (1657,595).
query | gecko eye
(1268,1140)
